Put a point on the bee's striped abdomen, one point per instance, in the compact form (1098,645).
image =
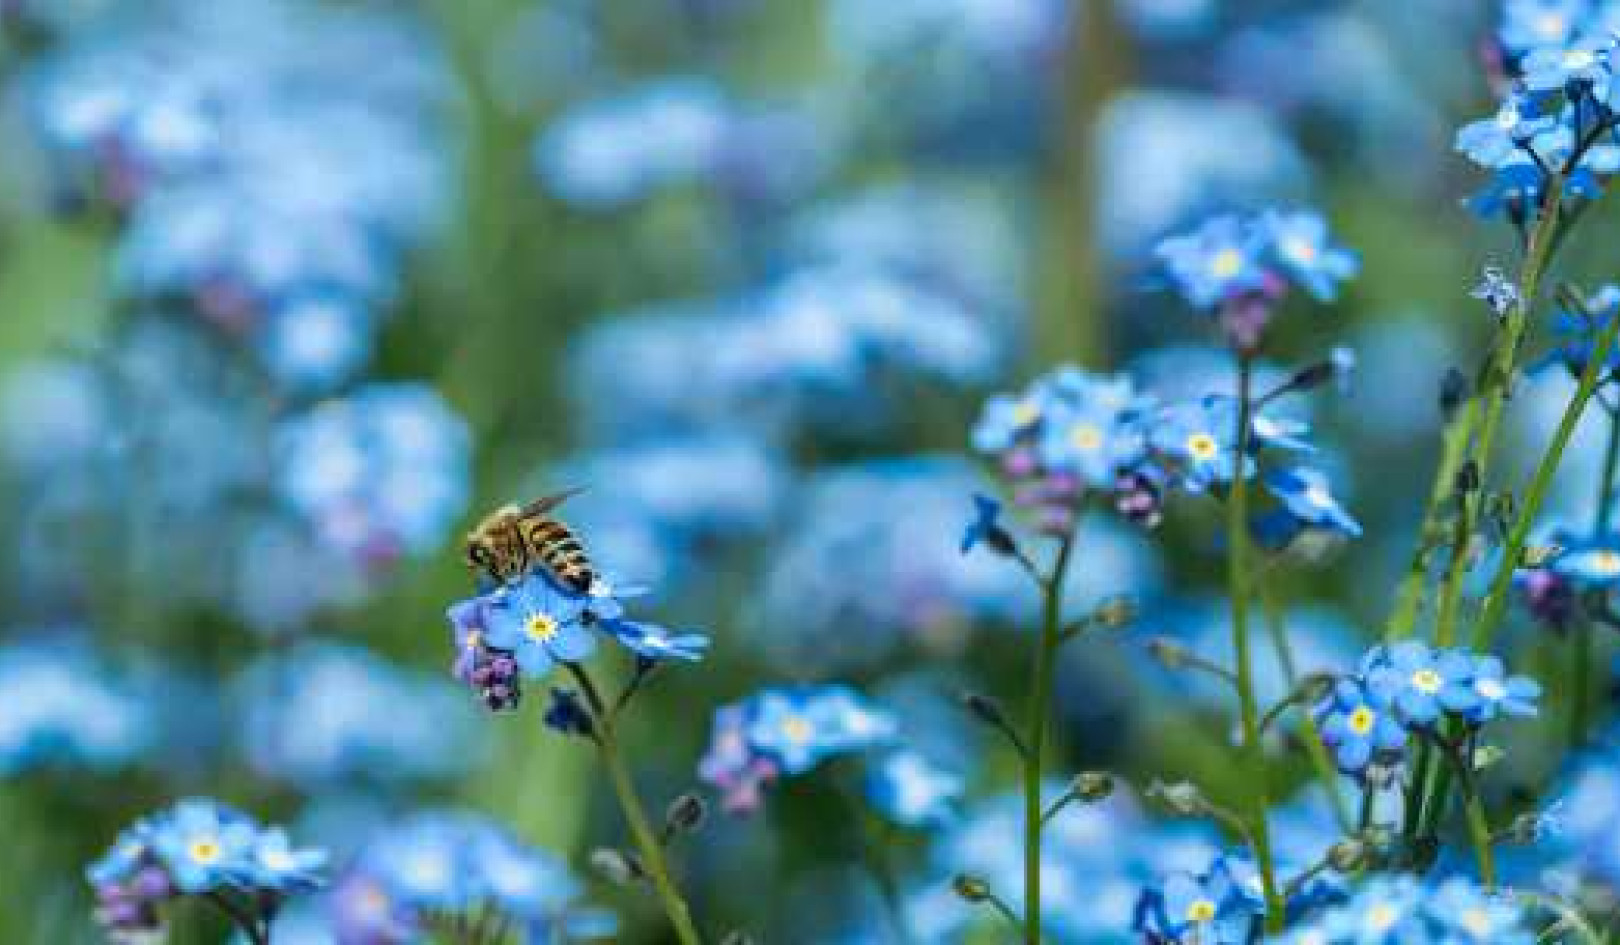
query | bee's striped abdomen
(555,545)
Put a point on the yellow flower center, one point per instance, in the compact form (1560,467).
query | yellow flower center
(1202,446)
(1361,720)
(795,729)
(1201,910)
(1476,921)
(1226,263)
(1025,414)
(541,628)
(204,850)
(1552,25)
(1606,561)
(1426,680)
(1381,917)
(1578,59)
(1084,436)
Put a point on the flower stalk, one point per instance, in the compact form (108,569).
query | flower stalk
(604,733)
(1237,523)
(1042,675)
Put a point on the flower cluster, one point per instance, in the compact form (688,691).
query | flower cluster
(1408,687)
(280,218)
(1222,905)
(64,708)
(1556,121)
(525,629)
(1240,267)
(1072,435)
(605,153)
(380,474)
(323,714)
(199,848)
(1400,909)
(434,870)
(911,790)
(787,731)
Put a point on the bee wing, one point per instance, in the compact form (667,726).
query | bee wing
(545,504)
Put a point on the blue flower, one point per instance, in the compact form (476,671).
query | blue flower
(1090,433)
(566,714)
(1468,914)
(1207,909)
(1416,675)
(1587,60)
(1491,141)
(204,844)
(1359,725)
(1199,437)
(1005,419)
(540,623)
(652,642)
(800,727)
(1486,691)
(1299,241)
(986,524)
(278,866)
(1386,909)
(1219,261)
(1577,332)
(1532,23)
(912,791)
(1305,493)
(1593,563)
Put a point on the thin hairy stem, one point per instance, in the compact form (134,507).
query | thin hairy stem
(1237,535)
(1042,674)
(648,847)
(1314,748)
(1496,599)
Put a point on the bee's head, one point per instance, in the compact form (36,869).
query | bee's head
(478,554)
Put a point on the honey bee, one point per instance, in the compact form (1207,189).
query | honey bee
(512,539)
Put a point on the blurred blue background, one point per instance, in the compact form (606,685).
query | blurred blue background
(291,290)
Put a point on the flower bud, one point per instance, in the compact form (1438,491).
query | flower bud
(1170,654)
(1116,612)
(615,866)
(1092,786)
(970,888)
(1347,856)
(685,814)
(1182,798)
(985,709)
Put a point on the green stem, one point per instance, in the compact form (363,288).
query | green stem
(1237,539)
(1496,600)
(1479,828)
(647,845)
(1314,748)
(1042,675)
(1454,449)
(257,933)
(604,732)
